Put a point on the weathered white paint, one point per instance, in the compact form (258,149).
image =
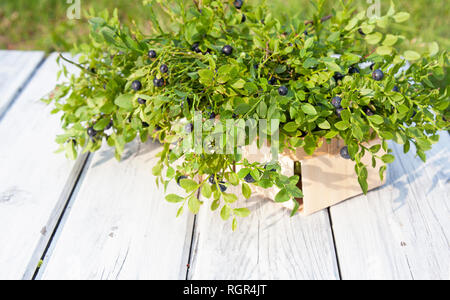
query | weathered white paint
(15,68)
(402,230)
(120,226)
(33,179)
(267,245)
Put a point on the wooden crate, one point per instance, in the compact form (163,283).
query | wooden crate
(326,177)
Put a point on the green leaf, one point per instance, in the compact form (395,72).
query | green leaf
(230,198)
(206,191)
(234,224)
(376,119)
(374,38)
(390,40)
(232,178)
(100,125)
(246,191)
(194,204)
(324,125)
(225,212)
(241,212)
(290,127)
(242,109)
(388,158)
(309,109)
(243,172)
(342,125)
(206,77)
(239,84)
(188,185)
(172,198)
(401,17)
(384,50)
(411,55)
(310,63)
(125,101)
(282,196)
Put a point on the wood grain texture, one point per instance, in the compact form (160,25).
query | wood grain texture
(34,181)
(401,230)
(15,68)
(120,226)
(266,245)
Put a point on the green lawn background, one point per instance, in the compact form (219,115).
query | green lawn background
(43,25)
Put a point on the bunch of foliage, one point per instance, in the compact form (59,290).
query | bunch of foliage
(232,62)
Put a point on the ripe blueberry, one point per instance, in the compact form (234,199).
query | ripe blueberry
(196,48)
(378,75)
(396,89)
(141,101)
(244,18)
(212,179)
(222,187)
(344,153)
(181,178)
(249,178)
(158,82)
(361,32)
(212,116)
(339,111)
(305,32)
(189,128)
(164,68)
(368,111)
(272,81)
(152,54)
(238,4)
(282,90)
(336,101)
(145,125)
(136,85)
(227,50)
(338,76)
(91,132)
(353,70)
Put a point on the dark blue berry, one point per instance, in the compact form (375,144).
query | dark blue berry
(212,179)
(339,111)
(378,75)
(196,48)
(338,76)
(353,70)
(152,54)
(238,4)
(368,111)
(222,187)
(336,101)
(164,68)
(272,81)
(396,89)
(227,50)
(110,125)
(136,85)
(244,18)
(145,125)
(283,91)
(158,82)
(212,116)
(361,32)
(91,132)
(305,32)
(181,178)
(344,153)
(141,101)
(249,178)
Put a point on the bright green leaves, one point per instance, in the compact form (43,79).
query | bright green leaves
(206,77)
(125,101)
(189,185)
(401,17)
(411,55)
(374,38)
(388,158)
(309,109)
(246,191)
(376,119)
(172,198)
(282,196)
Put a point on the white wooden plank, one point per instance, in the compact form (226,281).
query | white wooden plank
(15,68)
(402,230)
(120,226)
(33,179)
(266,245)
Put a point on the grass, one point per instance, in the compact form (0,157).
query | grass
(43,24)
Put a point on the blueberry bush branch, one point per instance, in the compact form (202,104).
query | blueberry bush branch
(336,76)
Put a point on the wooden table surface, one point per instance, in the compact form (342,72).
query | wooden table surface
(97,218)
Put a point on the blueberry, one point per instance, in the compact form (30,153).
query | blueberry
(212,116)
(181,178)
(110,125)
(227,50)
(282,90)
(272,81)
(378,75)
(249,178)
(136,85)
(396,89)
(305,32)
(222,186)
(353,70)
(271,170)
(339,111)
(338,76)
(372,65)
(196,48)
(141,101)
(235,116)
(189,128)
(368,111)
(256,66)
(336,101)
(344,153)
(361,32)
(244,18)
(158,128)
(91,132)
(158,82)
(164,68)
(238,4)
(145,125)
(152,54)
(211,179)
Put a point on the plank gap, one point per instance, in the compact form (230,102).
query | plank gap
(334,243)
